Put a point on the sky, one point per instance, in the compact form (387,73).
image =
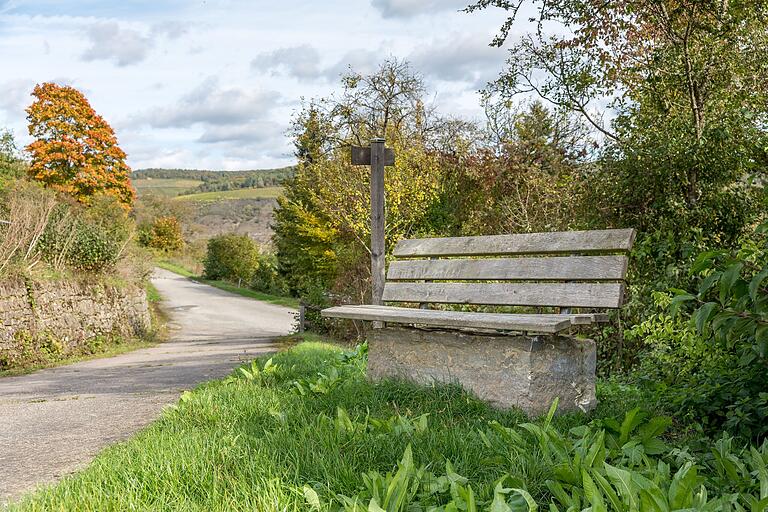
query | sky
(212,84)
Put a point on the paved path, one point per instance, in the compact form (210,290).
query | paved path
(54,421)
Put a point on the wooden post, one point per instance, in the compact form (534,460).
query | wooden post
(378,249)
(302,317)
(378,157)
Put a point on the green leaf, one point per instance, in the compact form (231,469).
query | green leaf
(591,491)
(653,499)
(631,421)
(551,413)
(596,454)
(708,282)
(558,492)
(702,315)
(681,488)
(677,301)
(622,479)
(532,506)
(608,490)
(704,261)
(730,275)
(654,427)
(761,341)
(754,284)
(312,498)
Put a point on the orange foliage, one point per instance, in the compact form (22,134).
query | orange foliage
(75,150)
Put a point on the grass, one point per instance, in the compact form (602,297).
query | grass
(241,444)
(111,350)
(289,302)
(243,193)
(165,187)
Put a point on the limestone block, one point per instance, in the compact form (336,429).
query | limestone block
(528,372)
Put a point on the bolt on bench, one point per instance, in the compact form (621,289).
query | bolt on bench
(509,359)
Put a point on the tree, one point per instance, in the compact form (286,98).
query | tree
(684,82)
(75,150)
(529,177)
(231,257)
(322,226)
(11,164)
(164,233)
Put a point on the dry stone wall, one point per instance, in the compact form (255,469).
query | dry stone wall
(70,313)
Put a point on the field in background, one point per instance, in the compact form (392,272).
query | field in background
(164,187)
(243,193)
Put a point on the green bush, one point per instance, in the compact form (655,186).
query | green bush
(707,357)
(89,239)
(164,233)
(267,279)
(231,257)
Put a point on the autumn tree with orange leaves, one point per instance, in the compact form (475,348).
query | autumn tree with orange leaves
(75,150)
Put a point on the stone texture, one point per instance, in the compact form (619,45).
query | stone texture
(528,372)
(71,312)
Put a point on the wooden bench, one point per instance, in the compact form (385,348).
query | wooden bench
(559,271)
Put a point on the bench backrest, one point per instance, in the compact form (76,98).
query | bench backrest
(583,269)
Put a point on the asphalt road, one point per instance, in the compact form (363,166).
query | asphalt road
(53,422)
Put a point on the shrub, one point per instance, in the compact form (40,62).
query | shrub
(231,257)
(267,279)
(90,239)
(723,382)
(164,233)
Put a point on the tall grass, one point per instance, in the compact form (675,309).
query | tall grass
(25,214)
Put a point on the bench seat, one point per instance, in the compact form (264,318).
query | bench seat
(537,323)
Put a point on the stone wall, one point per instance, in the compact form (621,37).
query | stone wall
(527,372)
(69,312)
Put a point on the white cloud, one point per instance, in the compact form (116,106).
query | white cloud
(411,8)
(301,62)
(459,58)
(249,132)
(111,42)
(15,96)
(209,104)
(126,46)
(304,63)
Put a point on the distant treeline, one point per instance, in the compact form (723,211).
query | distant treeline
(215,181)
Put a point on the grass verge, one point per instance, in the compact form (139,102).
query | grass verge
(289,302)
(111,350)
(306,430)
(254,443)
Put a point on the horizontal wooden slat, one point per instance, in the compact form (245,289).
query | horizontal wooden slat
(575,318)
(556,268)
(511,322)
(525,243)
(584,295)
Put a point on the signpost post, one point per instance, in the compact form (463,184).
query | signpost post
(378,157)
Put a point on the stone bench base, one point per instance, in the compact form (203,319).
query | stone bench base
(528,372)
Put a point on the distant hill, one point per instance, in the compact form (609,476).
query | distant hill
(174,182)
(219,201)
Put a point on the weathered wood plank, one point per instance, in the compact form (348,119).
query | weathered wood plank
(556,268)
(362,156)
(575,318)
(583,295)
(568,242)
(511,322)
